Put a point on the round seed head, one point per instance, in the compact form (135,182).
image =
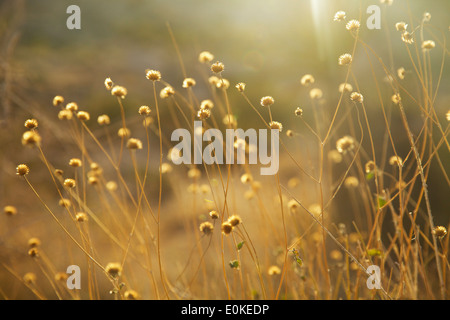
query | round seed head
(223,84)
(206,104)
(31,124)
(103,120)
(401,26)
(353,25)
(345,59)
(33,252)
(144,110)
(57,100)
(234,220)
(307,80)
(273,271)
(339,16)
(214,214)
(134,144)
(407,37)
(204,114)
(65,203)
(30,278)
(109,84)
(345,87)
(114,269)
(65,114)
(34,242)
(81,217)
(123,132)
(226,228)
(69,183)
(357,97)
(131,295)
(119,91)
(72,106)
(206,228)
(240,86)
(188,82)
(153,75)
(370,166)
(298,112)
(428,45)
(83,115)
(396,161)
(401,73)
(10,210)
(31,138)
(75,162)
(276,125)
(22,169)
(205,57)
(267,101)
(246,178)
(315,93)
(351,182)
(217,67)
(345,144)
(440,231)
(111,185)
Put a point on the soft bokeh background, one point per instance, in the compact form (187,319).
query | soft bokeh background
(267,44)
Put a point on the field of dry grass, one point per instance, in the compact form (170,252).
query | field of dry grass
(87,173)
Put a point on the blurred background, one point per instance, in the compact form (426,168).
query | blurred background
(268,44)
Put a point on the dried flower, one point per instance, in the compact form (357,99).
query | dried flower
(57,100)
(276,125)
(10,210)
(69,183)
(188,82)
(217,67)
(396,161)
(114,269)
(75,162)
(206,104)
(144,110)
(131,295)
(267,101)
(345,87)
(428,45)
(274,270)
(240,86)
(401,73)
(306,80)
(119,91)
(298,112)
(226,228)
(30,278)
(401,26)
(109,83)
(81,217)
(65,203)
(83,115)
(246,178)
(123,132)
(339,16)
(440,231)
(31,123)
(103,120)
(153,75)
(214,214)
(370,166)
(31,138)
(22,169)
(351,182)
(223,84)
(345,144)
(345,59)
(206,228)
(234,220)
(134,144)
(205,57)
(315,93)
(72,106)
(166,92)
(353,25)
(407,37)
(65,114)
(396,98)
(357,97)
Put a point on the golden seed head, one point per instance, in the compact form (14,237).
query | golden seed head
(205,57)
(217,67)
(353,25)
(188,82)
(401,26)
(194,173)
(34,242)
(92,180)
(396,161)
(31,123)
(114,269)
(345,144)
(81,217)
(357,97)
(345,59)
(33,252)
(153,75)
(426,17)
(31,138)
(61,276)
(440,231)
(246,178)
(10,210)
(65,203)
(111,185)
(134,143)
(57,100)
(22,169)
(69,183)
(370,166)
(345,87)
(213,80)
(226,228)
(401,73)
(315,93)
(290,133)
(214,214)
(223,84)
(335,156)
(206,104)
(298,112)
(123,132)
(315,209)
(276,125)
(29,278)
(407,37)
(109,84)
(241,86)
(273,271)
(131,295)
(396,98)
(339,16)
(65,114)
(234,220)
(83,115)
(119,91)
(428,44)
(267,101)
(204,114)
(293,205)
(336,255)
(72,106)
(144,110)
(75,162)
(206,227)
(306,80)
(447,115)
(95,166)
(166,92)
(166,168)
(351,182)
(103,120)
(58,172)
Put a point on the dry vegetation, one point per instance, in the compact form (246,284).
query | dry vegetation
(141,227)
